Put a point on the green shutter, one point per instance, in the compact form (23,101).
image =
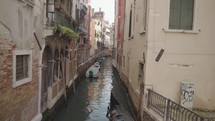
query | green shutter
(186,20)
(174,21)
(181,14)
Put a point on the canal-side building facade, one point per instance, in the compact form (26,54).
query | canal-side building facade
(167,48)
(92,37)
(99,27)
(83,32)
(106,31)
(111,36)
(132,54)
(114,47)
(115,41)
(59,57)
(119,30)
(39,42)
(21,33)
(188,53)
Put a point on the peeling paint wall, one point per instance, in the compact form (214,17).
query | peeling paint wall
(19,20)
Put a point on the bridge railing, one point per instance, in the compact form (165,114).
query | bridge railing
(171,111)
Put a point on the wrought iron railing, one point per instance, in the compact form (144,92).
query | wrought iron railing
(170,110)
(57,17)
(83,7)
(157,102)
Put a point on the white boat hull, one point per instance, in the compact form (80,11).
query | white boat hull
(93,71)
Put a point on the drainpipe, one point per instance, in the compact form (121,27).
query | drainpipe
(39,115)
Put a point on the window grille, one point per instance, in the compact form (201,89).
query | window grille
(22,67)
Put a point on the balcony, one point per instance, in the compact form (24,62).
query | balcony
(57,17)
(83,8)
(83,30)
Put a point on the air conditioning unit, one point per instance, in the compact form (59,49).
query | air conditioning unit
(187,94)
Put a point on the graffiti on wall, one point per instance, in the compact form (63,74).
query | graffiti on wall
(187,94)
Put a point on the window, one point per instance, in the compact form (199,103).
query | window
(28,2)
(144,14)
(22,67)
(85,40)
(181,14)
(62,1)
(123,61)
(130,21)
(141,71)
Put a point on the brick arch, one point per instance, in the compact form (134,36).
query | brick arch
(46,76)
(47,54)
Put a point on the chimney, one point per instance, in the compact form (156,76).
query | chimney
(99,9)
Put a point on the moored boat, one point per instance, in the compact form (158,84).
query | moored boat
(93,71)
(116,112)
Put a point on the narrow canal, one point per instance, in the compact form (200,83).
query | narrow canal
(92,96)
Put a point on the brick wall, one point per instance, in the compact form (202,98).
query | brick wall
(20,103)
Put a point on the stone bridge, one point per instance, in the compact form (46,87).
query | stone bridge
(104,52)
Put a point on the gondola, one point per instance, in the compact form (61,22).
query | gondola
(116,112)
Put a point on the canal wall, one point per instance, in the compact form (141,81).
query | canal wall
(82,68)
(131,97)
(134,99)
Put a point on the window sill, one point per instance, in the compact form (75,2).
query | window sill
(21,82)
(28,2)
(181,31)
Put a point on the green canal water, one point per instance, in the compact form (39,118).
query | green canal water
(92,96)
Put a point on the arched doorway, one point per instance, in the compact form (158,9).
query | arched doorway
(46,74)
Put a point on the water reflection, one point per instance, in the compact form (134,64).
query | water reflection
(92,97)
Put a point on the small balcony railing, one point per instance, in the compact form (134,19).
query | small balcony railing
(171,111)
(83,29)
(83,8)
(57,17)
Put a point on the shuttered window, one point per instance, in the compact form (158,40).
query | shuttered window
(181,14)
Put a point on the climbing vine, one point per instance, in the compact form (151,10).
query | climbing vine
(66,32)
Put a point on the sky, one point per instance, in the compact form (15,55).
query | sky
(107,6)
